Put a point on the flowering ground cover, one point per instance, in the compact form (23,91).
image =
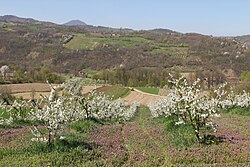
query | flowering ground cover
(234,150)
(142,141)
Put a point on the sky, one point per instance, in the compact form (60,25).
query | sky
(210,17)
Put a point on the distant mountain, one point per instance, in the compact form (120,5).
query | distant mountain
(162,30)
(75,23)
(15,19)
(11,18)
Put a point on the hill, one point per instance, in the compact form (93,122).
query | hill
(162,30)
(12,18)
(28,44)
(245,39)
(75,23)
(15,19)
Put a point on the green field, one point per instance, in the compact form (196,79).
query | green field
(87,42)
(82,41)
(117,92)
(150,90)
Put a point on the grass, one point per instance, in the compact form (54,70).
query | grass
(32,27)
(15,113)
(4,113)
(89,81)
(162,51)
(123,41)
(117,92)
(180,135)
(144,141)
(89,72)
(65,153)
(240,111)
(86,42)
(84,126)
(151,90)
(229,149)
(141,142)
(73,150)
(82,41)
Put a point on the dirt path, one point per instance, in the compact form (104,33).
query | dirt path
(141,97)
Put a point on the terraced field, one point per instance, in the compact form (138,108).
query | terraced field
(28,90)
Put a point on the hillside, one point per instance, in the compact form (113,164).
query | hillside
(11,18)
(15,19)
(32,44)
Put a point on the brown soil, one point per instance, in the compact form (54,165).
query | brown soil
(25,90)
(26,87)
(141,98)
(87,89)
(28,95)
(103,88)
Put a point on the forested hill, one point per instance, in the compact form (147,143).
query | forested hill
(33,44)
